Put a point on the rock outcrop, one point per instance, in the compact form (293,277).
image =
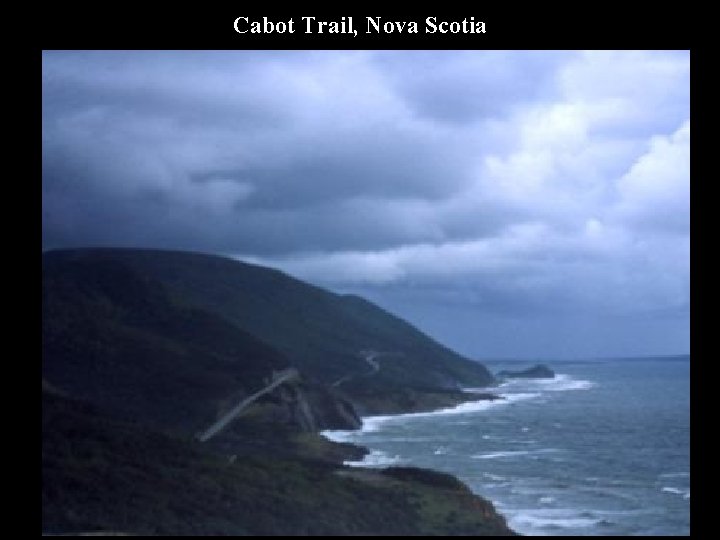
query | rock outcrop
(538,371)
(307,407)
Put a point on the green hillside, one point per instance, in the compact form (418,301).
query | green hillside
(115,338)
(320,332)
(142,350)
(103,475)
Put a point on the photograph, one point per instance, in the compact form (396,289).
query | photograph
(389,291)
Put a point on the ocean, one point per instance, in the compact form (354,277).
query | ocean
(601,449)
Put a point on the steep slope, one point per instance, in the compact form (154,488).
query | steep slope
(134,367)
(322,333)
(102,474)
(115,338)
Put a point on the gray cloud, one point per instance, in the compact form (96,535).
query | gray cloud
(466,86)
(509,186)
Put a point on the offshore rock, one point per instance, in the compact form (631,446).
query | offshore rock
(538,371)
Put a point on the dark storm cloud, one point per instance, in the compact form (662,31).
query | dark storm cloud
(141,131)
(514,184)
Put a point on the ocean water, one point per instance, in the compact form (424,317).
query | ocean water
(602,449)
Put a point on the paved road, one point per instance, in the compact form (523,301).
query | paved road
(369,357)
(278,379)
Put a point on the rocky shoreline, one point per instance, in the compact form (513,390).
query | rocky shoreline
(356,453)
(185,393)
(257,479)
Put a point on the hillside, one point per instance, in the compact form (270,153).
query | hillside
(321,333)
(122,477)
(144,351)
(115,338)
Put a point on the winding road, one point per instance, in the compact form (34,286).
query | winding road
(277,379)
(369,357)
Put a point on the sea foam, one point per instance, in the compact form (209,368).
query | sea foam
(514,453)
(560,383)
(675,475)
(376,458)
(544,521)
(684,492)
(373,423)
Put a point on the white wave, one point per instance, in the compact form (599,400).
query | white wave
(376,458)
(441,450)
(495,477)
(494,455)
(410,439)
(566,523)
(561,382)
(539,522)
(496,485)
(513,453)
(626,513)
(373,423)
(546,500)
(675,475)
(340,436)
(521,396)
(571,385)
(684,492)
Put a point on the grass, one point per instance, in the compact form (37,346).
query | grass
(102,474)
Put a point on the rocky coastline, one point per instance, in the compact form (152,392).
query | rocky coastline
(184,394)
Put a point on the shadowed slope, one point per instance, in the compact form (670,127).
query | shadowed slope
(320,332)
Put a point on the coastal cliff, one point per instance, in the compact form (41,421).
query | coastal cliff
(134,371)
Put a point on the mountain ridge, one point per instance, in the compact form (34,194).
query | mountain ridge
(144,350)
(318,331)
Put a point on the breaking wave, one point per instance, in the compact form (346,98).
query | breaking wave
(376,458)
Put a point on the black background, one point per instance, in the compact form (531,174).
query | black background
(584,26)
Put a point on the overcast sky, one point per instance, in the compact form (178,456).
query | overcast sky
(515,203)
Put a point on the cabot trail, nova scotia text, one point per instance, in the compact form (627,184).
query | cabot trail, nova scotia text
(346,25)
